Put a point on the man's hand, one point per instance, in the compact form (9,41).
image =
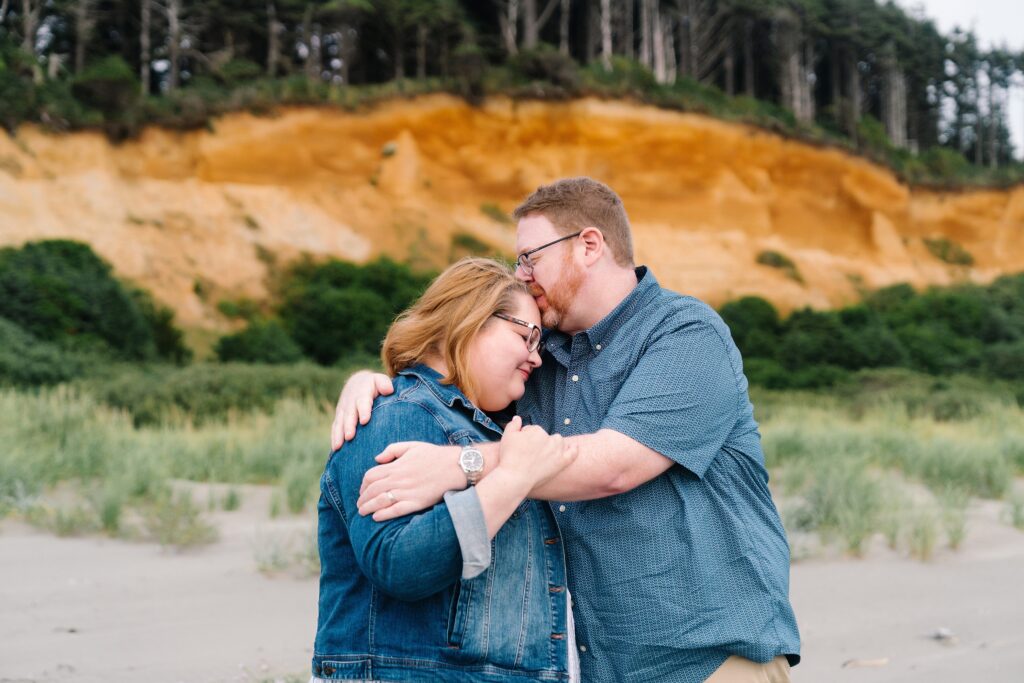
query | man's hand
(355,404)
(415,477)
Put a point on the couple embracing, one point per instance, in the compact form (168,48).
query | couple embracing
(562,479)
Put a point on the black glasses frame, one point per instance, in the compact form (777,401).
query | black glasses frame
(523,260)
(533,342)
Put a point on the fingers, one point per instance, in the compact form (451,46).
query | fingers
(514,426)
(375,503)
(399,509)
(394,452)
(336,440)
(383,384)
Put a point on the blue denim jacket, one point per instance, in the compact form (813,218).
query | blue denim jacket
(399,601)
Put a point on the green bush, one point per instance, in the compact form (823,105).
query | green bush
(949,251)
(626,76)
(203,393)
(26,361)
(60,291)
(335,309)
(547,64)
(260,342)
(240,70)
(774,259)
(754,324)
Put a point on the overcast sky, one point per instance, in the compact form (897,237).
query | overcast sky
(995,22)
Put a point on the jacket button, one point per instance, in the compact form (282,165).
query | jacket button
(551,541)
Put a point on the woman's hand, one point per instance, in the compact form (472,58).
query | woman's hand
(355,404)
(533,456)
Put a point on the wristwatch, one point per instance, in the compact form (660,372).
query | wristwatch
(472,463)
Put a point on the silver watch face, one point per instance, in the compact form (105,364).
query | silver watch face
(471,460)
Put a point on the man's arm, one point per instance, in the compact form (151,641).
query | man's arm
(607,463)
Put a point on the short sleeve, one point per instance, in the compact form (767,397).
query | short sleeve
(682,397)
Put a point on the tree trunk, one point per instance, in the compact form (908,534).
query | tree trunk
(174,47)
(835,81)
(807,81)
(421,51)
(853,93)
(658,43)
(85,21)
(628,29)
(748,58)
(894,99)
(509,23)
(730,66)
(646,42)
(4,6)
(671,67)
(533,23)
(29,24)
(308,65)
(145,56)
(994,116)
(399,43)
(606,34)
(273,39)
(563,28)
(692,45)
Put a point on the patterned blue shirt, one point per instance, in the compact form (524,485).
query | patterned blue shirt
(671,578)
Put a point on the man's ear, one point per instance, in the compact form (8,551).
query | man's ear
(593,245)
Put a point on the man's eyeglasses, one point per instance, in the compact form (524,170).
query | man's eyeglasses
(533,340)
(524,262)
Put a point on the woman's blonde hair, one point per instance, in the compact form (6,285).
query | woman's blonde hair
(443,322)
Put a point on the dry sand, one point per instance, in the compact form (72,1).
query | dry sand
(103,610)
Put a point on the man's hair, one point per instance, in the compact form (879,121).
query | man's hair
(572,204)
(443,322)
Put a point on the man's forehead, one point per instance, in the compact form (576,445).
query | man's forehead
(533,231)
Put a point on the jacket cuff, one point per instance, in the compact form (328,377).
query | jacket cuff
(471,530)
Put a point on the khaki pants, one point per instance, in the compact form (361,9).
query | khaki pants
(739,670)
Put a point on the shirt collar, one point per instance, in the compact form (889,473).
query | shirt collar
(646,289)
(449,394)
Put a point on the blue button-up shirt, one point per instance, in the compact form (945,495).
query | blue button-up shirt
(671,578)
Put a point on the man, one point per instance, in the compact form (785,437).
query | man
(678,563)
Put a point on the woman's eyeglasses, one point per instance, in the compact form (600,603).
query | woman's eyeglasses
(533,340)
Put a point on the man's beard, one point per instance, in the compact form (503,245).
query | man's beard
(561,295)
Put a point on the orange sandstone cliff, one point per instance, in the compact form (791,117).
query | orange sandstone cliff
(202,216)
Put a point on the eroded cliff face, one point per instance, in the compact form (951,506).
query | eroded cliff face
(203,216)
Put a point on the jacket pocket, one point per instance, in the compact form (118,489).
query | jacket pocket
(457,616)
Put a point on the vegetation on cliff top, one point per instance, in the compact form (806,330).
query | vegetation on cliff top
(855,73)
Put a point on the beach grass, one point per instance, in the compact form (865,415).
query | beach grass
(846,468)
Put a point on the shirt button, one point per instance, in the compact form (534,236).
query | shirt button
(567,420)
(583,648)
(561,508)
(597,346)
(575,378)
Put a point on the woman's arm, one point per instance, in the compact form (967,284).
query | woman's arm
(414,556)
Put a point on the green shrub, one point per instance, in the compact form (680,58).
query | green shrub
(545,63)
(774,259)
(625,77)
(754,324)
(260,342)
(26,361)
(60,291)
(948,251)
(335,309)
(239,70)
(203,393)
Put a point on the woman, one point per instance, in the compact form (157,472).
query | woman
(402,600)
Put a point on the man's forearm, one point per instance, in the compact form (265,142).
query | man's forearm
(608,463)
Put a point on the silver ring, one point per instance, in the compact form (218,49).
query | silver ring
(391,497)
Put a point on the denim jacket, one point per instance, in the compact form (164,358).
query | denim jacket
(400,600)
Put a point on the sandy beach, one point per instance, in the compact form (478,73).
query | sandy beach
(93,609)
